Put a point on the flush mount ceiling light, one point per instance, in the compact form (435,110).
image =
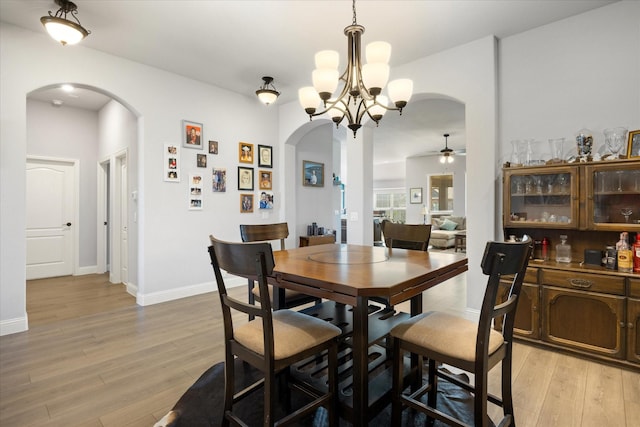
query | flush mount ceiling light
(362,85)
(62,29)
(267,93)
(447,153)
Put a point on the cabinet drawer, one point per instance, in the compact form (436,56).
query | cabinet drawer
(634,288)
(581,281)
(531,276)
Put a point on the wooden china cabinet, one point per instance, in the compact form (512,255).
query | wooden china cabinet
(582,308)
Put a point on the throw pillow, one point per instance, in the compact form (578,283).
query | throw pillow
(448,225)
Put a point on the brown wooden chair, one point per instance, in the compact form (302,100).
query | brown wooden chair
(265,233)
(470,346)
(406,236)
(273,341)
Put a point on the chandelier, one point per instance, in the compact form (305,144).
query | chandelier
(362,84)
(62,29)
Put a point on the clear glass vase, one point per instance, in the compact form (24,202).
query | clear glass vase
(614,140)
(557,150)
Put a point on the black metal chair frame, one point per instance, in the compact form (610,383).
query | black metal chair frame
(501,261)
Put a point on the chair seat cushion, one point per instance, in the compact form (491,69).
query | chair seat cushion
(446,334)
(293,332)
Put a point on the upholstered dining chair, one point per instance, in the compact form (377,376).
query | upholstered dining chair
(470,346)
(265,233)
(273,341)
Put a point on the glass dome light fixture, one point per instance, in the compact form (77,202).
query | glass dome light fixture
(267,93)
(62,29)
(447,153)
(361,84)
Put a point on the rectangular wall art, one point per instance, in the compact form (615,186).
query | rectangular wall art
(171,163)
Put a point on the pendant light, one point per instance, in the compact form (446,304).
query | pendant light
(62,29)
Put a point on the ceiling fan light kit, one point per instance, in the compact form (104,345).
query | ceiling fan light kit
(447,153)
(62,29)
(362,84)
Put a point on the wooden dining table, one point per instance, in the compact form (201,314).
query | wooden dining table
(348,276)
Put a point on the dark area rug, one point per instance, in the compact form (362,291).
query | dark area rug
(201,405)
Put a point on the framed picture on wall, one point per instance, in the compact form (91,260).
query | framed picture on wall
(171,163)
(415,196)
(192,134)
(245,152)
(213,147)
(633,147)
(246,203)
(245,178)
(312,174)
(264,156)
(265,180)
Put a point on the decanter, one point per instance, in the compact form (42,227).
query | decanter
(563,250)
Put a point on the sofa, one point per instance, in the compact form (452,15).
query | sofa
(444,229)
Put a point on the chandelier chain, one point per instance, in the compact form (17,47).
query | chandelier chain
(353,6)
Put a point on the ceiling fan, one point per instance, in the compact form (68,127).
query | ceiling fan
(446,153)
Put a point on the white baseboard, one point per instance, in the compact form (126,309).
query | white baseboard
(13,326)
(90,269)
(132,288)
(187,291)
(472,314)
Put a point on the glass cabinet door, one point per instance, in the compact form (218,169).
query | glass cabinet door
(544,197)
(613,196)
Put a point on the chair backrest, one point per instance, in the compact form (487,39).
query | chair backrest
(264,232)
(501,261)
(406,236)
(244,259)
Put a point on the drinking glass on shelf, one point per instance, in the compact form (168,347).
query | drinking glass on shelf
(619,173)
(626,213)
(562,182)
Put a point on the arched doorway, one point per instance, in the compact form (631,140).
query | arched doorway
(98,133)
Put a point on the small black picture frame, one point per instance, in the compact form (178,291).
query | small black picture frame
(265,159)
(245,178)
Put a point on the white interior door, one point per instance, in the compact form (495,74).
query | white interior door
(51,201)
(124,252)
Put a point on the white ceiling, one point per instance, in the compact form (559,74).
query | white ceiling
(232,44)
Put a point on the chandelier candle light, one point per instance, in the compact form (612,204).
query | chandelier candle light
(362,85)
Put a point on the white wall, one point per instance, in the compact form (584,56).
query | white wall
(581,72)
(70,133)
(118,133)
(315,204)
(169,234)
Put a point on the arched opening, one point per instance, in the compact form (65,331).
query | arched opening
(97,133)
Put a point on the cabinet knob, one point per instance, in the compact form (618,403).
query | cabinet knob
(622,325)
(630,325)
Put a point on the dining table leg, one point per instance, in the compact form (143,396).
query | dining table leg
(360,362)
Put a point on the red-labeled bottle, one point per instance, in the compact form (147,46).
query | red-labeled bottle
(636,255)
(546,244)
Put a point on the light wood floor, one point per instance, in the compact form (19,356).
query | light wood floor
(94,358)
